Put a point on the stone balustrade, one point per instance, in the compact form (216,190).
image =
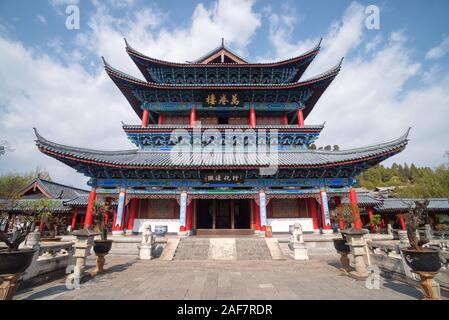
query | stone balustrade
(50,260)
(387,256)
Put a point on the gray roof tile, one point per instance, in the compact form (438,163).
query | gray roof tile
(163,159)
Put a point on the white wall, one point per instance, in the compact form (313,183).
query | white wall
(282,224)
(172,224)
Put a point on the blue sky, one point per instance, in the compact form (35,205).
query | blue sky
(52,77)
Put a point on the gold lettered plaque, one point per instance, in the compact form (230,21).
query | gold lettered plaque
(222,99)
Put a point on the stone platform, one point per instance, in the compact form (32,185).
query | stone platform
(130,278)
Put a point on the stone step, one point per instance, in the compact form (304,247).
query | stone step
(192,248)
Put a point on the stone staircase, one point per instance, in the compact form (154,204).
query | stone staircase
(252,249)
(192,248)
(196,248)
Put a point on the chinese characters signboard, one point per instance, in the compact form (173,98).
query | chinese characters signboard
(222,177)
(222,99)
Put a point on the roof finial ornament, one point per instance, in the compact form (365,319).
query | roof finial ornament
(222,41)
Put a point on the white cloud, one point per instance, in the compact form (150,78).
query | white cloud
(440,50)
(70,105)
(41,18)
(367,103)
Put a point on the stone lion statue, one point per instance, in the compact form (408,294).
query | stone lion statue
(296,236)
(147,234)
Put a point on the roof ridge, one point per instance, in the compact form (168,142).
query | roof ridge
(43,141)
(402,139)
(63,185)
(131,50)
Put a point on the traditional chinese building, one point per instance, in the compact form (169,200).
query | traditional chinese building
(58,193)
(222,147)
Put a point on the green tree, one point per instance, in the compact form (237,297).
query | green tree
(11,183)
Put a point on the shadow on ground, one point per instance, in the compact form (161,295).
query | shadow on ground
(402,288)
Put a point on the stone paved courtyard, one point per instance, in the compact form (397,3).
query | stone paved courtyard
(129,278)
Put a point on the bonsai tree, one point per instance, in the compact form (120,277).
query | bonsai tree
(343,213)
(44,209)
(20,224)
(414,218)
(100,210)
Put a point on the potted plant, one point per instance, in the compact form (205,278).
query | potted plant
(423,261)
(375,222)
(101,246)
(343,214)
(14,261)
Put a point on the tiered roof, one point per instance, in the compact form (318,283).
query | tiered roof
(136,158)
(263,83)
(151,66)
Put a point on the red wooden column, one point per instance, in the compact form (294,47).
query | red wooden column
(145,116)
(160,119)
(252,117)
(256,215)
(41,225)
(311,205)
(192,117)
(132,215)
(75,211)
(324,209)
(341,223)
(90,209)
(402,221)
(355,207)
(114,218)
(189,216)
(284,119)
(370,216)
(300,118)
(106,219)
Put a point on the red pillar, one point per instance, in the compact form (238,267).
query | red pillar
(189,216)
(90,209)
(192,117)
(322,205)
(106,219)
(252,117)
(41,226)
(355,207)
(145,116)
(311,205)
(114,218)
(160,119)
(256,212)
(132,215)
(75,211)
(370,215)
(402,221)
(300,118)
(284,119)
(341,222)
